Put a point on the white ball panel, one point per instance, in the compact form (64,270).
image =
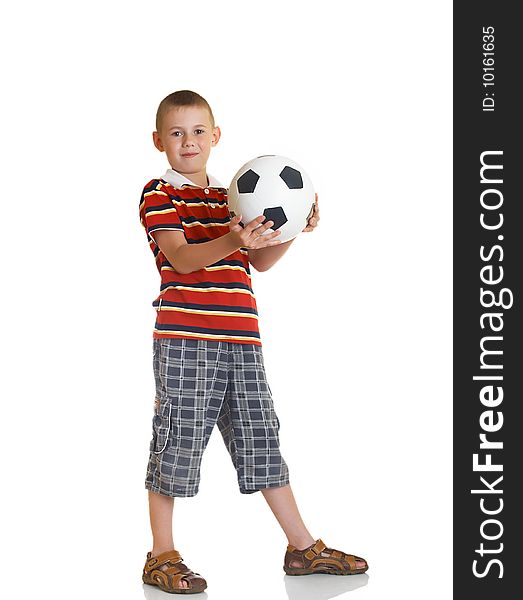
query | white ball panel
(272,191)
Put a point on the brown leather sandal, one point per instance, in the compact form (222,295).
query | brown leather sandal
(317,558)
(167,569)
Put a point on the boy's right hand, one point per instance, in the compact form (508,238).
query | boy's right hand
(251,236)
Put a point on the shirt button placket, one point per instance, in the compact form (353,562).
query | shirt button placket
(206,190)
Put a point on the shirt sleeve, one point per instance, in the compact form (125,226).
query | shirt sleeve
(157,211)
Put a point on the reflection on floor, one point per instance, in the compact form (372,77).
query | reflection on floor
(322,587)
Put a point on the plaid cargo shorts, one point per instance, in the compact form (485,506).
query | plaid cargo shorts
(200,383)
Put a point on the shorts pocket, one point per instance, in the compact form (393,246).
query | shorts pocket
(161,424)
(277,423)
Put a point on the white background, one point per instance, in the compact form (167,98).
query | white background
(355,319)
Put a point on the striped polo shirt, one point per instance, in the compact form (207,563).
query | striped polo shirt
(216,302)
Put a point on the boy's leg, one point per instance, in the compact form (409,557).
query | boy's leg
(250,428)
(187,405)
(283,505)
(161,516)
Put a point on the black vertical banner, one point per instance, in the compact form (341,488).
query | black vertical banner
(488,260)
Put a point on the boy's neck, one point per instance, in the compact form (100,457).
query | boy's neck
(202,182)
(199,179)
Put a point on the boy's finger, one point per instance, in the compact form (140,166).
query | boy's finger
(235,220)
(262,240)
(264,227)
(234,223)
(268,242)
(254,223)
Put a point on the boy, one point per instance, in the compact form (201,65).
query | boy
(207,355)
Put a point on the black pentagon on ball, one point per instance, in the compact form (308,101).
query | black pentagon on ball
(276,214)
(247,182)
(292,178)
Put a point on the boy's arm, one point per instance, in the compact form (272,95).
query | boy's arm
(186,258)
(264,258)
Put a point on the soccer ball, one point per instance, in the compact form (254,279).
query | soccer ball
(277,188)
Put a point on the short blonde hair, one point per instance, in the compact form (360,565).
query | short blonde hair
(179,99)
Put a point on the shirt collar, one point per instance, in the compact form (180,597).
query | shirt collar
(177,179)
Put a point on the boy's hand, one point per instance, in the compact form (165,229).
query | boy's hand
(251,236)
(314,218)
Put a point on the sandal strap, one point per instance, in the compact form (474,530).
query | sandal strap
(179,569)
(310,552)
(176,578)
(170,556)
(315,549)
(351,559)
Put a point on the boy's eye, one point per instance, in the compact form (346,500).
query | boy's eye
(200,131)
(176,132)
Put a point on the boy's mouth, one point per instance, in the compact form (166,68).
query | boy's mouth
(190,154)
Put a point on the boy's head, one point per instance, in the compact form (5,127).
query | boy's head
(185,131)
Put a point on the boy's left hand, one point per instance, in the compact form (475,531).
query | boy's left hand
(314,218)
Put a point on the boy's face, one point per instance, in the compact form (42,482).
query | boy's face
(187,136)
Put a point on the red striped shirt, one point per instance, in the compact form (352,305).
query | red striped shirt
(213,303)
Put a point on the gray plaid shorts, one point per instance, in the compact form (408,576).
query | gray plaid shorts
(200,383)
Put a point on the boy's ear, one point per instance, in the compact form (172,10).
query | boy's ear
(157,141)
(216,134)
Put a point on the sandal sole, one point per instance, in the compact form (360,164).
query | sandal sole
(323,571)
(177,591)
